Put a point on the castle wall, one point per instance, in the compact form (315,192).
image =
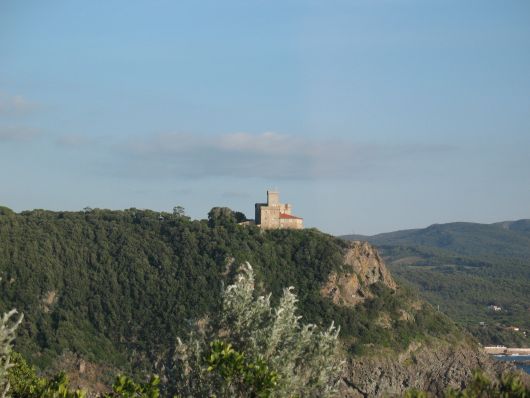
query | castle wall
(257,212)
(269,215)
(291,223)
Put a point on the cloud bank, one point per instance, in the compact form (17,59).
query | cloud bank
(267,155)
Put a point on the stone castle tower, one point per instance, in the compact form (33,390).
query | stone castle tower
(276,215)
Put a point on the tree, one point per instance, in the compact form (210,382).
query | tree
(221,216)
(255,350)
(178,211)
(510,385)
(6,211)
(26,384)
(8,327)
(240,217)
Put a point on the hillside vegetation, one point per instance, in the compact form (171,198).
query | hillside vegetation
(465,268)
(117,287)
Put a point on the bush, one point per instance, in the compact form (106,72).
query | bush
(8,327)
(509,386)
(255,350)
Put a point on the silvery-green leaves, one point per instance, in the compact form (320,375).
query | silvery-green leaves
(303,359)
(8,327)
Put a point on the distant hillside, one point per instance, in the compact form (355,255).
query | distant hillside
(464,268)
(505,239)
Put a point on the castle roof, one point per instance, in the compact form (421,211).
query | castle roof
(283,215)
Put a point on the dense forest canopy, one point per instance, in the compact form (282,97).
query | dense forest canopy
(118,287)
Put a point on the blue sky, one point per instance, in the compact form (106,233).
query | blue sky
(368,116)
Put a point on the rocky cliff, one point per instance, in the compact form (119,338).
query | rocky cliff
(362,267)
(424,366)
(430,364)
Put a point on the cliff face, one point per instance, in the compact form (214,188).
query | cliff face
(362,267)
(432,364)
(432,368)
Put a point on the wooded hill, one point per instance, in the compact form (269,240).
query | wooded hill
(118,287)
(465,268)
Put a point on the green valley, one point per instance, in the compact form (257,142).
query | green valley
(478,274)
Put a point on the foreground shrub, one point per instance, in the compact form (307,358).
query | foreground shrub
(8,327)
(480,386)
(509,386)
(26,384)
(255,350)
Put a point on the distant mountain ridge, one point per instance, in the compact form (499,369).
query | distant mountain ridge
(465,267)
(511,237)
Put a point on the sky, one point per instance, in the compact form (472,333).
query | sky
(368,116)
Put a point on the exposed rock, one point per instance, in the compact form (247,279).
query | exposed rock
(344,289)
(49,300)
(432,367)
(406,316)
(84,374)
(368,264)
(362,267)
(428,368)
(384,320)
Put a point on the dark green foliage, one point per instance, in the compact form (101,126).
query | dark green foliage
(26,384)
(221,217)
(22,377)
(240,217)
(414,393)
(480,386)
(125,387)
(178,211)
(6,211)
(254,378)
(117,286)
(510,386)
(502,240)
(463,268)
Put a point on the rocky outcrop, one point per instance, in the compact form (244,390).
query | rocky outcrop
(427,368)
(432,364)
(362,267)
(84,374)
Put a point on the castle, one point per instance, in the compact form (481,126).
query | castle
(276,215)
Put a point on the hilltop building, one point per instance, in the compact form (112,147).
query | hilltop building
(276,215)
